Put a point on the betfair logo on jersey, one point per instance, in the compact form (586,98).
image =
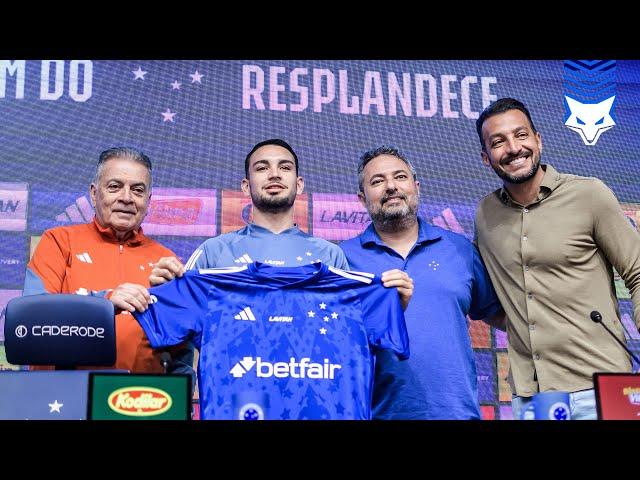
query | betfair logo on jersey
(304,368)
(139,401)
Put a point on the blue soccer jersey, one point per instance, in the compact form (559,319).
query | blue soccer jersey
(290,248)
(280,342)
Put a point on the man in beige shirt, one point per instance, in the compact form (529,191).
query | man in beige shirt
(549,241)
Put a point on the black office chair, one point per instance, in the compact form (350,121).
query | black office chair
(61,330)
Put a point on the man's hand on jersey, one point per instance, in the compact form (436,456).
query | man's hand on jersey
(166,270)
(130,297)
(402,281)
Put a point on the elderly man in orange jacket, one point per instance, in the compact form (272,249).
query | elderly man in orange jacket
(110,256)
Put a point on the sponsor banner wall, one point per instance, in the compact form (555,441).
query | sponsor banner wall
(338,216)
(182,212)
(13,259)
(485,370)
(480,334)
(13,206)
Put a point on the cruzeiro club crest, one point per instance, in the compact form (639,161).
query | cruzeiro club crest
(589,97)
(559,411)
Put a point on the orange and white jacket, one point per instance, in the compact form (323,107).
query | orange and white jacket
(88,259)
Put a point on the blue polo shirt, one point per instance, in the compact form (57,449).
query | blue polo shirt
(439,381)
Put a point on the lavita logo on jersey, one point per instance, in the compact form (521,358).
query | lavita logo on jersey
(77,82)
(304,368)
(280,319)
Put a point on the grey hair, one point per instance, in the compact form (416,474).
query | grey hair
(376,152)
(126,153)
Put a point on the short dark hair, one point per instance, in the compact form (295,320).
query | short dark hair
(369,155)
(271,141)
(500,106)
(121,152)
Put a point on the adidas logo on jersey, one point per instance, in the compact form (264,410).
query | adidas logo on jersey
(243,259)
(245,314)
(302,369)
(84,257)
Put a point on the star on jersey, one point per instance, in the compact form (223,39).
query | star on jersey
(308,254)
(311,313)
(196,77)
(175,85)
(299,259)
(139,74)
(325,318)
(168,116)
(323,306)
(323,331)
(55,406)
(334,315)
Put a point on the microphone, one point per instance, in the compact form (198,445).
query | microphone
(165,360)
(597,318)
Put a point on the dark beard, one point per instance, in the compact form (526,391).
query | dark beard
(394,221)
(272,204)
(521,179)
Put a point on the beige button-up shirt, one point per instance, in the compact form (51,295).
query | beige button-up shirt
(551,265)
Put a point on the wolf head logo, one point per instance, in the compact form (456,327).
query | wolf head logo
(590,119)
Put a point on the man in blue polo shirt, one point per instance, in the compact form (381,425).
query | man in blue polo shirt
(450,282)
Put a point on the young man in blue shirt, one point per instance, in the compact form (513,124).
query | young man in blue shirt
(272,181)
(450,282)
